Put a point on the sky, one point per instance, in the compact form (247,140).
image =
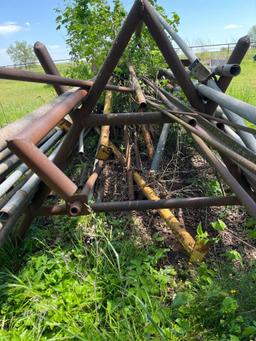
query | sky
(201,21)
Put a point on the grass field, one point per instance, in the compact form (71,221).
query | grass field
(20,98)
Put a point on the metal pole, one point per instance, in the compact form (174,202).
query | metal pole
(16,175)
(165,46)
(160,147)
(34,77)
(241,108)
(48,64)
(143,205)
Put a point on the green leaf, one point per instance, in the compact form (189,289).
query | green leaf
(219,225)
(249,331)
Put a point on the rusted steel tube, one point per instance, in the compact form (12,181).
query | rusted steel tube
(48,172)
(51,118)
(15,176)
(212,140)
(136,85)
(151,19)
(88,187)
(11,162)
(40,197)
(128,28)
(103,150)
(245,198)
(103,76)
(236,57)
(34,77)
(15,207)
(141,100)
(142,205)
(18,126)
(120,119)
(23,147)
(48,65)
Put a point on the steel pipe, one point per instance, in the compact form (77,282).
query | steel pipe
(241,108)
(16,175)
(160,147)
(152,21)
(34,77)
(18,126)
(245,198)
(227,70)
(143,205)
(236,57)
(120,119)
(14,208)
(48,65)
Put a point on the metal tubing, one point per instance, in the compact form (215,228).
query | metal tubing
(48,172)
(245,198)
(143,205)
(120,119)
(180,42)
(142,104)
(209,127)
(136,85)
(48,65)
(128,28)
(212,140)
(103,151)
(4,154)
(103,76)
(160,147)
(15,207)
(236,57)
(16,175)
(51,118)
(10,163)
(81,143)
(18,126)
(89,185)
(227,70)
(241,108)
(247,138)
(34,77)
(164,44)
(7,165)
(7,196)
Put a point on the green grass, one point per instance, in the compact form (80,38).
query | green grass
(244,85)
(20,98)
(88,279)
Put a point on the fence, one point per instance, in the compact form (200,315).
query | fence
(217,48)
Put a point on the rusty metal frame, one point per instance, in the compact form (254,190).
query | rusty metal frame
(23,144)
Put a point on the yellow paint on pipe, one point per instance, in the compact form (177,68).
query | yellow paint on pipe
(197,251)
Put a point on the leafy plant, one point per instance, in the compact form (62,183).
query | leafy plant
(91,28)
(219,225)
(201,235)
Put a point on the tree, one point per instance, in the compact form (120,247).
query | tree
(91,27)
(252,34)
(21,53)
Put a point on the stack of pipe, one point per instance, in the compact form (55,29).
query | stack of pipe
(214,120)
